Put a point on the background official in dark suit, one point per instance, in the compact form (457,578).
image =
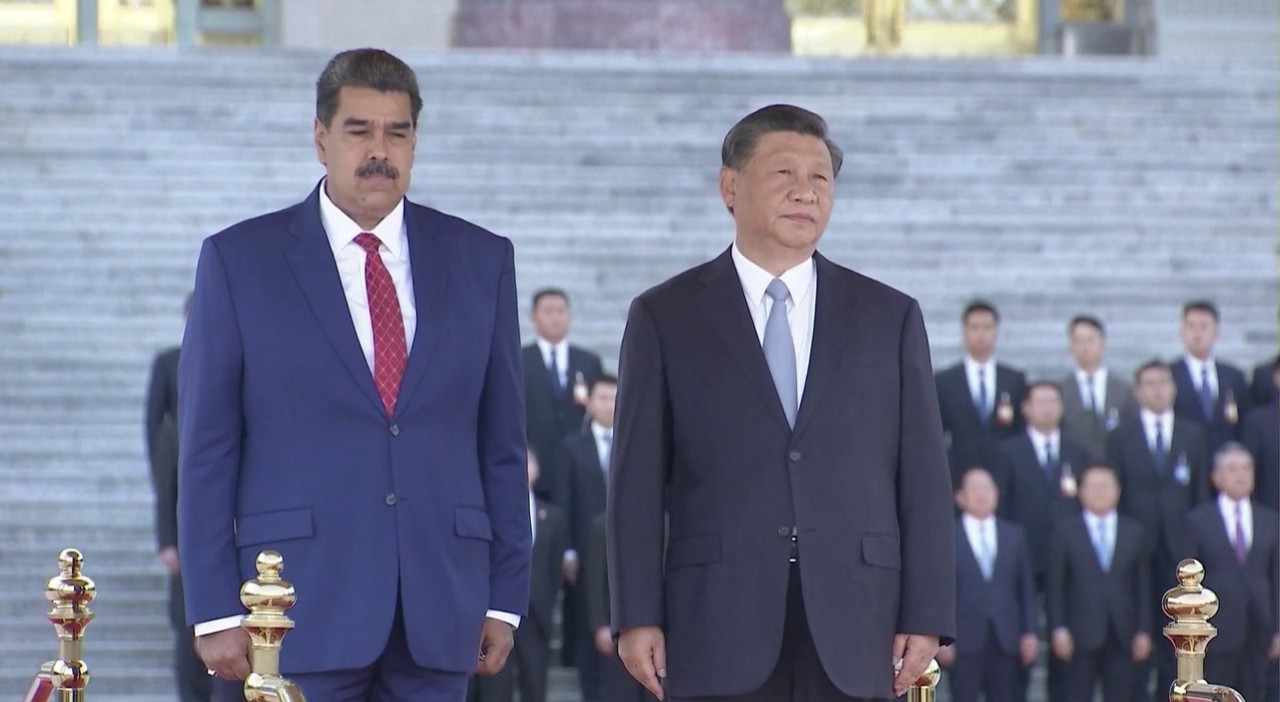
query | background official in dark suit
(1211,393)
(1095,400)
(1161,461)
(1099,585)
(1263,390)
(995,599)
(979,397)
(779,412)
(584,458)
(527,669)
(1261,435)
(1237,541)
(557,375)
(616,684)
(161,424)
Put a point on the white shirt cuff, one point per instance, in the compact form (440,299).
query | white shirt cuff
(213,627)
(509,618)
(571,555)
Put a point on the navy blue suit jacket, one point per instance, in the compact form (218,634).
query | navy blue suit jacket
(286,446)
(1222,426)
(1008,601)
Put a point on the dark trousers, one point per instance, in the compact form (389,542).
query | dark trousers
(526,669)
(189,672)
(987,670)
(1111,665)
(1244,669)
(799,675)
(393,677)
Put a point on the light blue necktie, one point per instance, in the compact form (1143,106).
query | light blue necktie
(780,351)
(1206,393)
(1103,545)
(987,559)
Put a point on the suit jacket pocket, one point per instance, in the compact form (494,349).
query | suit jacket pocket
(686,551)
(274,526)
(472,523)
(882,551)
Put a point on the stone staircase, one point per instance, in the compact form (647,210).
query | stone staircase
(1115,187)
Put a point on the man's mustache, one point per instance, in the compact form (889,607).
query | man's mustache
(381,168)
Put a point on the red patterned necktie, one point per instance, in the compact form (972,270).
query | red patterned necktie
(389,348)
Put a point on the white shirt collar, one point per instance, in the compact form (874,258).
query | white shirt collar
(598,431)
(971,366)
(1038,439)
(1228,507)
(342,230)
(1099,377)
(973,525)
(754,279)
(1093,520)
(1149,419)
(561,349)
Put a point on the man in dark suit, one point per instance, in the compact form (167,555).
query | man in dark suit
(1238,541)
(616,684)
(1211,393)
(1263,390)
(162,453)
(585,459)
(1095,400)
(978,397)
(1161,461)
(351,397)
(1099,585)
(532,652)
(1261,435)
(778,412)
(557,376)
(995,599)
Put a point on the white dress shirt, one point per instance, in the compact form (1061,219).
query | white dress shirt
(1227,506)
(802,282)
(1038,441)
(603,448)
(561,351)
(976,529)
(533,517)
(1149,420)
(1098,380)
(341,231)
(1106,526)
(971,368)
(1195,366)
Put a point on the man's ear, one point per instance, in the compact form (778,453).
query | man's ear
(728,186)
(320,131)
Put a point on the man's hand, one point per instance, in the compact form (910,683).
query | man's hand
(496,641)
(1141,646)
(946,656)
(1028,646)
(169,559)
(643,650)
(1062,644)
(1274,652)
(915,652)
(226,653)
(604,641)
(571,571)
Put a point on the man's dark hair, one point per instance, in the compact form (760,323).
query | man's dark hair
(1101,467)
(1153,364)
(980,306)
(741,141)
(1201,306)
(365,68)
(548,292)
(964,476)
(603,379)
(1046,384)
(1089,321)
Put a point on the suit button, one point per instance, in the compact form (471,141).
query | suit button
(395,430)
(794,456)
(391,498)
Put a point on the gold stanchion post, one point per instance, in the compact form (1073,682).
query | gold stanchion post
(925,687)
(1190,605)
(267,597)
(70,593)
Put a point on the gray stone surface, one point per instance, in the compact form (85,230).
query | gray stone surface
(1053,187)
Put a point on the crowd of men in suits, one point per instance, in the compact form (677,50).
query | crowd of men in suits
(1079,495)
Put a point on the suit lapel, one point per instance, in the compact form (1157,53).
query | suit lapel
(725,308)
(429,266)
(534,363)
(960,386)
(313,265)
(832,322)
(965,547)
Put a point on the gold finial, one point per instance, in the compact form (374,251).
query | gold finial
(1190,605)
(922,690)
(267,597)
(70,593)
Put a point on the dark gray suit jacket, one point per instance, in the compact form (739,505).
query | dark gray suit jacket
(1084,426)
(701,443)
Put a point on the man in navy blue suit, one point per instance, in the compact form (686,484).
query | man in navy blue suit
(1211,392)
(351,396)
(995,599)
